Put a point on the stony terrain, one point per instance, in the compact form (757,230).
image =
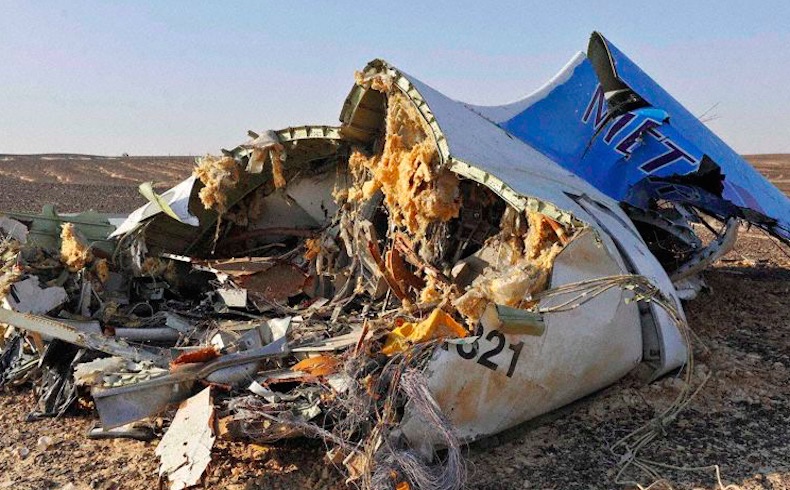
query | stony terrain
(740,419)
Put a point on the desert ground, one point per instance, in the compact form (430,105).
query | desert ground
(739,420)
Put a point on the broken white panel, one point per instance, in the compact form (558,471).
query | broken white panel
(259,390)
(178,200)
(185,449)
(116,220)
(14,229)
(340,382)
(314,195)
(505,379)
(223,340)
(27,296)
(670,343)
(279,327)
(233,297)
(281,209)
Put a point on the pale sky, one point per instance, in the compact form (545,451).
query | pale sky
(171,77)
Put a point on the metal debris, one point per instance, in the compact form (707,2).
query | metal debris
(185,450)
(28,296)
(396,286)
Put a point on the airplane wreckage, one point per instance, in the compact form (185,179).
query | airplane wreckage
(426,274)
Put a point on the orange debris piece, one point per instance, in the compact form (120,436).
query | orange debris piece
(318,366)
(438,325)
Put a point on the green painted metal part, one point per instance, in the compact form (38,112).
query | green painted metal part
(520,321)
(44,228)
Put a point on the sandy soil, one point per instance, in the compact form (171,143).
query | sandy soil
(740,420)
(775,167)
(81,182)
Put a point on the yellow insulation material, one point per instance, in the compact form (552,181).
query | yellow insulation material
(155,267)
(8,278)
(524,269)
(438,325)
(416,192)
(218,175)
(276,154)
(102,269)
(312,247)
(541,235)
(434,291)
(10,272)
(75,254)
(379,81)
(277,172)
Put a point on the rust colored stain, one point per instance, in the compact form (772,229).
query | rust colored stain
(277,283)
(391,282)
(402,275)
(199,355)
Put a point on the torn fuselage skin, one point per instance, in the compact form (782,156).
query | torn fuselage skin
(495,366)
